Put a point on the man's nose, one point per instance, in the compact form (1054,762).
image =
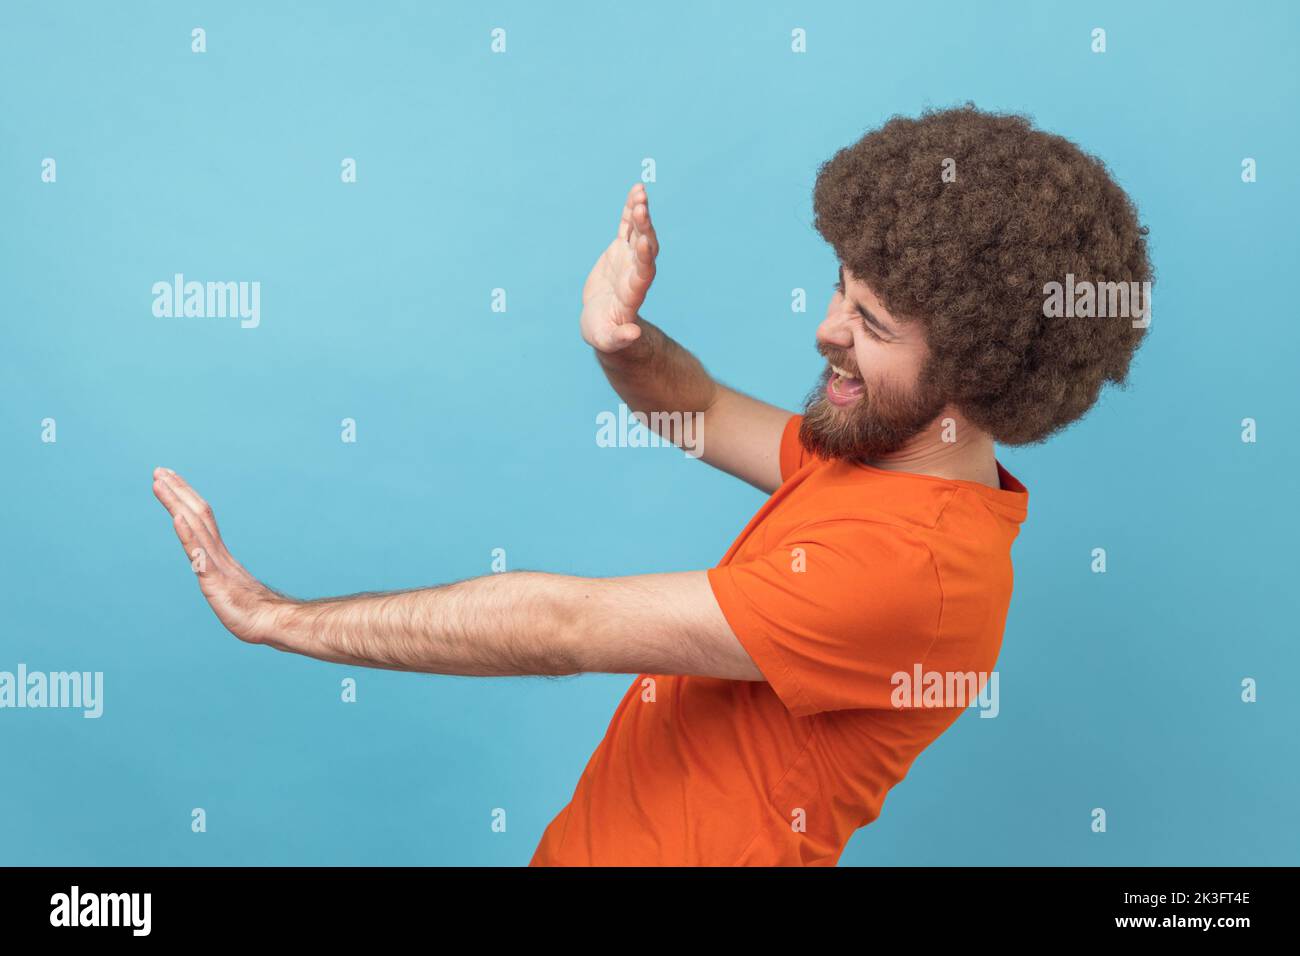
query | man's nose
(835,331)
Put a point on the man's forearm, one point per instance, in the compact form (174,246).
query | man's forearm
(668,385)
(655,374)
(517,623)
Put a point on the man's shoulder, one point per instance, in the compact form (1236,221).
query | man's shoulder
(841,490)
(953,524)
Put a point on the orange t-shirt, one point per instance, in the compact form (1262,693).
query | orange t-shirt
(847,576)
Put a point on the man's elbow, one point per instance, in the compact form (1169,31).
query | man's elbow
(566,610)
(586,614)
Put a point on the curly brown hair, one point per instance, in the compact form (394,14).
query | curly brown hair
(971,258)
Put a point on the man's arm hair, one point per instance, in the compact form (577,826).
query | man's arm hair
(741,435)
(520,622)
(525,623)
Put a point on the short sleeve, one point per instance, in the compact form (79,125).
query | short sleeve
(834,612)
(793,455)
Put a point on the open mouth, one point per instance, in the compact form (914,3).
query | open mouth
(843,388)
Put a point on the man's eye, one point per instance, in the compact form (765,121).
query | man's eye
(839,287)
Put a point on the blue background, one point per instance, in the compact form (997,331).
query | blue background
(476,429)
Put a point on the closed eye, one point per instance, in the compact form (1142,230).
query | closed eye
(839,287)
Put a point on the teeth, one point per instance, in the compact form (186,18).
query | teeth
(841,373)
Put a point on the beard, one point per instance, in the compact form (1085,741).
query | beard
(879,423)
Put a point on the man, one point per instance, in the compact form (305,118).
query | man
(765,723)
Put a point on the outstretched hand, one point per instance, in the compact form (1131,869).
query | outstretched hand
(619,281)
(249,609)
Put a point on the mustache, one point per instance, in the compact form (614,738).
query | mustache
(840,358)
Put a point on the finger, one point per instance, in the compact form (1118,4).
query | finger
(167,494)
(624,335)
(645,250)
(197,549)
(193,533)
(185,532)
(202,510)
(194,539)
(642,223)
(625,220)
(619,338)
(625,224)
(644,262)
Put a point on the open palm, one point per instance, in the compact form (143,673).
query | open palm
(247,607)
(619,281)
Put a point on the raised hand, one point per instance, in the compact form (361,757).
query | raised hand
(249,609)
(620,279)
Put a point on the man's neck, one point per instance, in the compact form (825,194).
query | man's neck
(968,455)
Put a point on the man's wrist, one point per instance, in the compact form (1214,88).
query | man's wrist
(629,355)
(287,625)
